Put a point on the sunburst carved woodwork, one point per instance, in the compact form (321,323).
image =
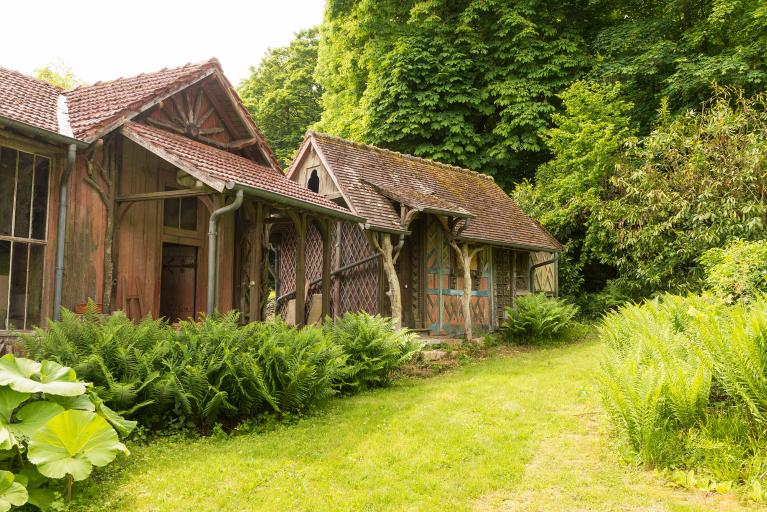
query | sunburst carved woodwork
(188,116)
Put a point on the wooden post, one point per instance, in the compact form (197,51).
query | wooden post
(337,265)
(299,222)
(389,255)
(513,276)
(256,289)
(326,267)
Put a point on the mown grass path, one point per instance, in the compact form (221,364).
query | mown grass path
(521,432)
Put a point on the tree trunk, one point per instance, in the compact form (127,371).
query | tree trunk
(466,299)
(464,257)
(395,296)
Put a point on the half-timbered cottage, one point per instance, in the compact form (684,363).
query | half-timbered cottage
(154,194)
(436,232)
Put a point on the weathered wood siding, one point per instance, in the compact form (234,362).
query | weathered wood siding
(444,287)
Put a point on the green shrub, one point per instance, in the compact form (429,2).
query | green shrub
(216,370)
(685,381)
(374,348)
(737,271)
(53,427)
(536,318)
(301,366)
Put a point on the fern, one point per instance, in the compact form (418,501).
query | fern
(373,347)
(537,318)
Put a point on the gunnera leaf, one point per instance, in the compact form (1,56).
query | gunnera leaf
(12,493)
(72,443)
(9,401)
(27,376)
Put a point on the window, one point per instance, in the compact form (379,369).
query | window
(180,213)
(314,182)
(521,263)
(23,227)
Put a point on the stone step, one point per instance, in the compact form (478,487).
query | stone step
(433,355)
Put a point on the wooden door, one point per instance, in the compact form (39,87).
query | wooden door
(178,282)
(411,277)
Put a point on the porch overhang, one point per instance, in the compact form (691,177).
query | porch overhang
(223,171)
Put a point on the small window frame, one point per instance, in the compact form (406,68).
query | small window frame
(27,242)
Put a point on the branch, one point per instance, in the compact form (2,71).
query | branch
(373,239)
(90,181)
(410,217)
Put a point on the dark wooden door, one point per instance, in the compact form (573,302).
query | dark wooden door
(411,277)
(179,281)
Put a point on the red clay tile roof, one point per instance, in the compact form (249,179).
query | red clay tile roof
(370,177)
(216,167)
(28,100)
(93,107)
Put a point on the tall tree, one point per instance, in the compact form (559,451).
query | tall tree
(282,95)
(677,49)
(58,74)
(468,82)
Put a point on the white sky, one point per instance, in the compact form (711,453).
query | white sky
(106,39)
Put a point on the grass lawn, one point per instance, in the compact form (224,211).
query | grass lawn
(521,432)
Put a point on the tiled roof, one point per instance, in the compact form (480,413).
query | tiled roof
(370,177)
(92,107)
(28,100)
(216,167)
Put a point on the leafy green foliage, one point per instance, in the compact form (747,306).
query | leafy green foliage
(737,271)
(685,381)
(695,183)
(374,348)
(120,358)
(12,493)
(71,443)
(676,50)
(59,74)
(469,83)
(50,421)
(536,318)
(585,142)
(282,95)
(215,370)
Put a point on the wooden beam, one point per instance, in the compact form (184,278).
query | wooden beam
(327,245)
(299,223)
(159,196)
(256,289)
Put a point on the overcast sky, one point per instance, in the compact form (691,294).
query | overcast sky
(106,39)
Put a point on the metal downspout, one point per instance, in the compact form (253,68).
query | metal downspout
(537,265)
(213,247)
(61,232)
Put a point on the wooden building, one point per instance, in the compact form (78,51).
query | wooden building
(447,233)
(154,194)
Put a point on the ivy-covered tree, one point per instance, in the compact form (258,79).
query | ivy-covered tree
(282,95)
(468,82)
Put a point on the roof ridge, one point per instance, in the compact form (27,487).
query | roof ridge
(212,60)
(56,88)
(362,145)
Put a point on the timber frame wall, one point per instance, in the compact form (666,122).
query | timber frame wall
(432,291)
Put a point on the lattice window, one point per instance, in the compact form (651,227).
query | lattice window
(23,236)
(357,288)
